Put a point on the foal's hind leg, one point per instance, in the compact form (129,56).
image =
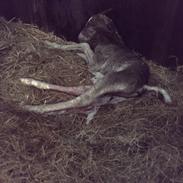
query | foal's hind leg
(75,90)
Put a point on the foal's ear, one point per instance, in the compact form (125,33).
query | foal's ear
(112,28)
(106,19)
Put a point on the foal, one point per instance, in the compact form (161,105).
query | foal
(118,73)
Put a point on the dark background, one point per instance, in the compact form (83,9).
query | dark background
(152,27)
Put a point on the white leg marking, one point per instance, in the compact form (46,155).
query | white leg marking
(35,83)
(74,90)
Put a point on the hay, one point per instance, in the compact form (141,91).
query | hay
(135,141)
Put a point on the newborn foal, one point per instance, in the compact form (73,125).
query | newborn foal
(118,73)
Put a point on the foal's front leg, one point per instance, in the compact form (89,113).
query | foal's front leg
(89,55)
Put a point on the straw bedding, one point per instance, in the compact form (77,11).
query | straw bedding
(139,140)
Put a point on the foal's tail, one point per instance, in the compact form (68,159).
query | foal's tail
(166,97)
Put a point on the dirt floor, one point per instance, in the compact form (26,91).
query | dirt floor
(137,141)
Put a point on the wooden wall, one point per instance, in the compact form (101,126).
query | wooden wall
(153,27)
